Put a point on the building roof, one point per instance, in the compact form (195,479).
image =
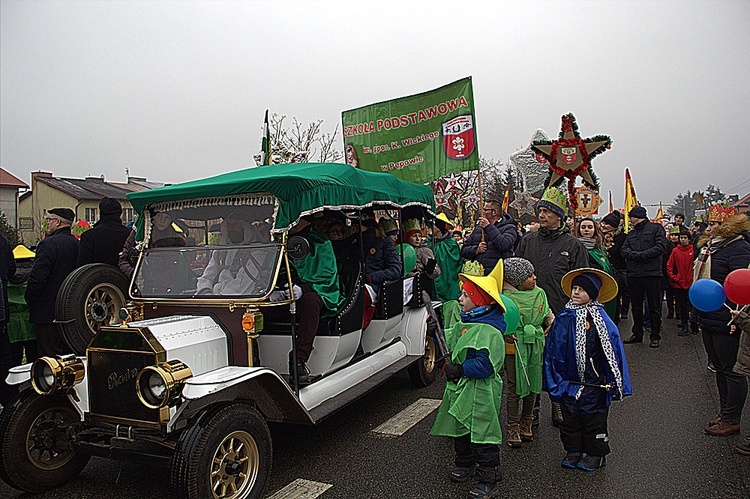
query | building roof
(7,179)
(743,201)
(94,188)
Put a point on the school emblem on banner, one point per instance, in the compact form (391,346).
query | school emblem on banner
(458,137)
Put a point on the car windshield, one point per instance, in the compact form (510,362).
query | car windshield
(215,247)
(233,271)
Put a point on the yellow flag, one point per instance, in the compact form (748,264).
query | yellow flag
(631,201)
(660,213)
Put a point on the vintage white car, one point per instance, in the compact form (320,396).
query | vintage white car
(200,363)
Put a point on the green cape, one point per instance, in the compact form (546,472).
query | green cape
(448,257)
(533,308)
(318,270)
(19,327)
(472,405)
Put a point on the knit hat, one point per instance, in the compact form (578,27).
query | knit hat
(612,219)
(638,212)
(109,207)
(591,283)
(555,201)
(65,213)
(411,226)
(477,295)
(517,270)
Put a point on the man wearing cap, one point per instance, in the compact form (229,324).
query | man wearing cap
(104,242)
(493,238)
(56,257)
(643,248)
(552,249)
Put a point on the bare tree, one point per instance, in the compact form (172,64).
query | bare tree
(299,143)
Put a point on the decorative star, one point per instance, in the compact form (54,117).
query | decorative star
(524,203)
(570,155)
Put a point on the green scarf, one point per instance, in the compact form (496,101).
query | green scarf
(472,405)
(533,308)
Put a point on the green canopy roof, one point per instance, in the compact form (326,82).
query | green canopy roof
(300,188)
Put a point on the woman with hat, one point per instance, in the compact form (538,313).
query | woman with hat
(724,247)
(473,392)
(585,367)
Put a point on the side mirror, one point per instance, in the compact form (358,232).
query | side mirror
(297,247)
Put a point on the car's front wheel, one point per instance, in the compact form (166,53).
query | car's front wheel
(425,371)
(225,454)
(35,456)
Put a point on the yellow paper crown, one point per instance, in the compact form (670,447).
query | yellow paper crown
(720,214)
(556,197)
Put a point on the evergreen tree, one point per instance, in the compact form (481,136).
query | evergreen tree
(10,232)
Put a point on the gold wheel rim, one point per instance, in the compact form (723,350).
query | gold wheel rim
(430,354)
(102,304)
(234,467)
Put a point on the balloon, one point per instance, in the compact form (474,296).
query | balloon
(512,315)
(410,256)
(737,286)
(707,295)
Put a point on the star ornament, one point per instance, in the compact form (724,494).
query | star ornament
(570,156)
(524,203)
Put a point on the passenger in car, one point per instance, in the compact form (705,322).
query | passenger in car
(317,276)
(163,232)
(381,262)
(426,262)
(232,272)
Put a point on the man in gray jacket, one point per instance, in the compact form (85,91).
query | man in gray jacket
(643,248)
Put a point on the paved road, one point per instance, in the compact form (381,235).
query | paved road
(658,447)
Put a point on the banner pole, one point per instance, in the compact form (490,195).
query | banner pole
(481,196)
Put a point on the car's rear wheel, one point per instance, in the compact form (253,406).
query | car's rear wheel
(425,372)
(225,454)
(35,456)
(89,298)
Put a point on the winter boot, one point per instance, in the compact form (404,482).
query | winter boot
(591,463)
(684,331)
(461,474)
(571,460)
(527,433)
(514,436)
(487,479)
(303,373)
(557,415)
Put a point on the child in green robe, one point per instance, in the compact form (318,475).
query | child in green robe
(473,392)
(524,348)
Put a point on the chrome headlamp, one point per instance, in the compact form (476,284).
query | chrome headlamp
(158,386)
(49,374)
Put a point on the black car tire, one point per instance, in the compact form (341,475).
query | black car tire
(226,453)
(89,298)
(34,456)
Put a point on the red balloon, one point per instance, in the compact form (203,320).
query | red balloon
(737,286)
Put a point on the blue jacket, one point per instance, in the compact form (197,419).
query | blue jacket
(561,369)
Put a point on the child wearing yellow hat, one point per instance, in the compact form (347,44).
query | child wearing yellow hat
(473,392)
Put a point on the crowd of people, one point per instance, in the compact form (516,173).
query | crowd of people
(540,309)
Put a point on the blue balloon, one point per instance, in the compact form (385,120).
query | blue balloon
(707,295)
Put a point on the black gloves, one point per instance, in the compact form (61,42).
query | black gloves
(429,267)
(453,372)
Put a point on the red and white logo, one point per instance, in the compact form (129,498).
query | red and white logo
(568,155)
(458,137)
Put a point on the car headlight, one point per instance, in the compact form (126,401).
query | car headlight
(49,374)
(158,386)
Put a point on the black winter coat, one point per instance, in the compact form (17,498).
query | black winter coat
(733,256)
(103,243)
(56,257)
(614,253)
(501,240)
(553,253)
(643,249)
(7,269)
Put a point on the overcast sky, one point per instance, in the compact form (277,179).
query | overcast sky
(176,90)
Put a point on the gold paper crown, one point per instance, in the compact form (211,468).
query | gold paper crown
(389,225)
(675,229)
(720,214)
(556,197)
(412,224)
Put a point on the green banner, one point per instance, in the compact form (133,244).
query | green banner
(417,138)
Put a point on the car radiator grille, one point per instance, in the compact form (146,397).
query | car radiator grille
(112,391)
